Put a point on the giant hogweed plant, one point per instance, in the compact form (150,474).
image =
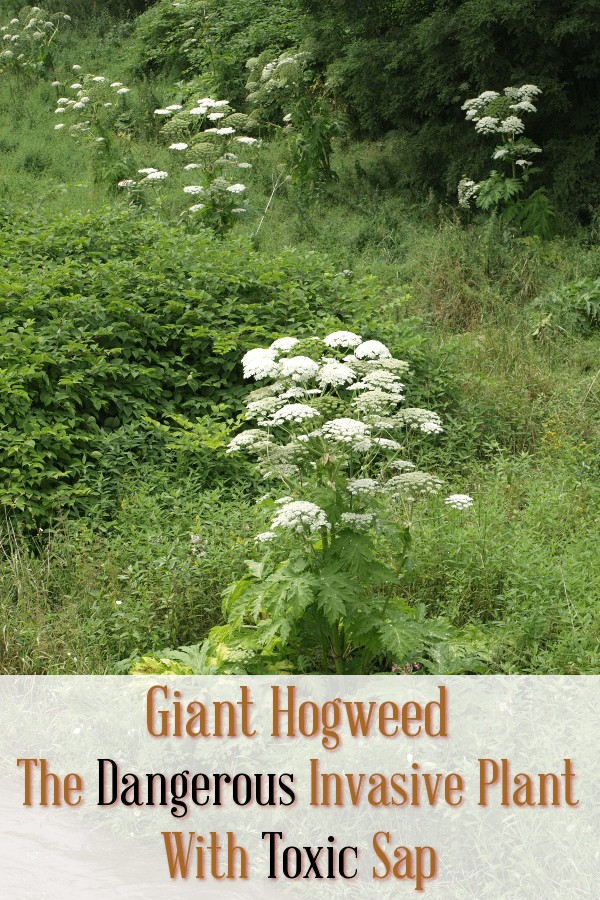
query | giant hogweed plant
(504,192)
(27,42)
(285,93)
(325,430)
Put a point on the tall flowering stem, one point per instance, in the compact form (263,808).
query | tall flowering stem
(325,428)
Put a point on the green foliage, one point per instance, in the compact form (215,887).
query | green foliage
(284,91)
(28,41)
(409,66)
(111,317)
(573,308)
(214,37)
(86,593)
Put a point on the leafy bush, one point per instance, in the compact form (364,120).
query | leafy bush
(573,308)
(108,318)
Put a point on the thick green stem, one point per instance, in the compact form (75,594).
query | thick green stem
(337,642)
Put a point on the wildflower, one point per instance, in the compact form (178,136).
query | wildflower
(147,171)
(487,125)
(528,90)
(126,183)
(467,189)
(180,146)
(61,109)
(59,126)
(523,162)
(78,105)
(76,86)
(294,412)
(299,516)
(358,521)
(198,111)
(246,140)
(343,339)
(385,381)
(335,374)
(348,431)
(258,409)
(191,166)
(287,118)
(236,188)
(413,484)
(193,189)
(401,465)
(524,106)
(244,165)
(117,84)
(123,90)
(387,443)
(197,207)
(250,439)
(56,84)
(107,105)
(162,112)
(372,350)
(100,79)
(299,368)
(174,107)
(284,344)
(259,363)
(156,176)
(512,125)
(239,210)
(214,117)
(265,536)
(421,419)
(100,140)
(366,486)
(225,131)
(459,501)
(76,68)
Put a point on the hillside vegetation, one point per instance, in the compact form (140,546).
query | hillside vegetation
(410,193)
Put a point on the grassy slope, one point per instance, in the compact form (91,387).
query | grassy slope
(522,435)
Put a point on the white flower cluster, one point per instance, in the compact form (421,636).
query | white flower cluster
(494,113)
(253,439)
(259,363)
(352,432)
(421,419)
(350,451)
(335,374)
(208,125)
(342,340)
(357,521)
(413,484)
(365,486)
(300,516)
(299,368)
(294,412)
(459,501)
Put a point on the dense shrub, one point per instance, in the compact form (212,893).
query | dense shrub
(411,66)
(216,38)
(110,317)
